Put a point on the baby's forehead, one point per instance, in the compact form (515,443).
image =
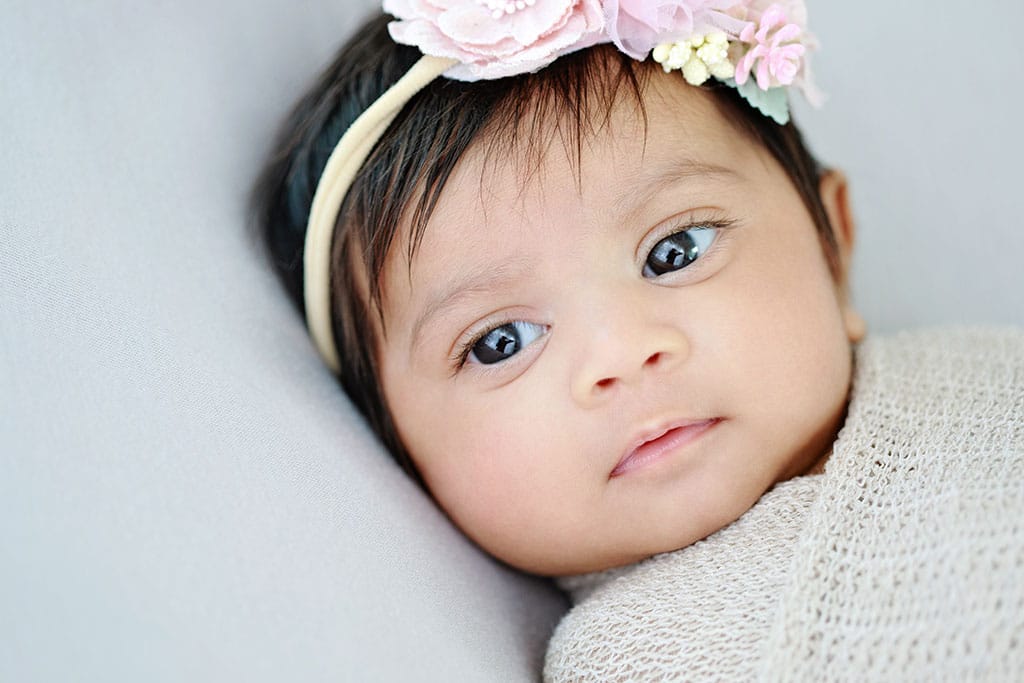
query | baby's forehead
(634,150)
(668,125)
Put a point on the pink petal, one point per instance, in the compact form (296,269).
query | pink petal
(763,79)
(636,26)
(634,38)
(785,72)
(744,66)
(772,16)
(730,26)
(472,25)
(438,6)
(762,33)
(543,18)
(398,8)
(786,34)
(646,13)
(425,35)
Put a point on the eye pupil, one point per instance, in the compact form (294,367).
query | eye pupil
(674,257)
(504,343)
(677,251)
(497,345)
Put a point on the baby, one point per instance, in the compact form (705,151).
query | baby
(598,306)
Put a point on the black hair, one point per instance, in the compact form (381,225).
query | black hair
(407,170)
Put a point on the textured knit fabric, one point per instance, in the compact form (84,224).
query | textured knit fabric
(903,561)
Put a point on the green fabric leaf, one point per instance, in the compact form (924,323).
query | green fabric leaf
(773,102)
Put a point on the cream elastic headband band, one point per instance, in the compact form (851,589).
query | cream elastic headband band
(343,164)
(756,46)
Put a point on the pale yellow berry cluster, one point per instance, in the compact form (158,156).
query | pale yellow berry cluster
(699,58)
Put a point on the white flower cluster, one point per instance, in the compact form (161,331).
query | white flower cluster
(699,57)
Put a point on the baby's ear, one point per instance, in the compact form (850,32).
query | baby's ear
(835,195)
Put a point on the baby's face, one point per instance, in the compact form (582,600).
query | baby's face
(587,376)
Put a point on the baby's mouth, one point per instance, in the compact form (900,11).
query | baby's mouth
(661,442)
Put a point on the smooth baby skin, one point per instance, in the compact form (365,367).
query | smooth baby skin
(746,350)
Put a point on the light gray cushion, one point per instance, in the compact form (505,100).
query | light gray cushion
(924,115)
(185,493)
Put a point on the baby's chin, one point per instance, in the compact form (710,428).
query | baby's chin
(615,558)
(674,537)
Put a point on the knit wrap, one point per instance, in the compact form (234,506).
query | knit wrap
(903,561)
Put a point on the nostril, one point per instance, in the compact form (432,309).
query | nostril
(653,360)
(605,383)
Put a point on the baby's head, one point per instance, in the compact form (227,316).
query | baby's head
(596,310)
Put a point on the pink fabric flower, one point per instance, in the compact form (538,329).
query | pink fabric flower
(637,26)
(497,38)
(775,50)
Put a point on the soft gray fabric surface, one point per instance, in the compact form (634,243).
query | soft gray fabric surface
(924,116)
(185,494)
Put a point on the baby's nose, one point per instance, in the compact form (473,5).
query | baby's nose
(627,356)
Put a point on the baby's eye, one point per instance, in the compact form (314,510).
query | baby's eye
(678,250)
(503,342)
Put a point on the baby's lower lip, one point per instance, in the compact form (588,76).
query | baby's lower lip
(656,449)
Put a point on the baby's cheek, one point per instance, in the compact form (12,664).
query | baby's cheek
(479,452)
(791,363)
(506,480)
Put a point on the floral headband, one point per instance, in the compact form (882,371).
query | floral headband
(758,47)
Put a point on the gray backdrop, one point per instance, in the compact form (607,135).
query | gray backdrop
(184,492)
(924,115)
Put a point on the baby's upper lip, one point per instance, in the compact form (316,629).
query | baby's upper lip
(646,435)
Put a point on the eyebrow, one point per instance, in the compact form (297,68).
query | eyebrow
(656,178)
(483,280)
(489,279)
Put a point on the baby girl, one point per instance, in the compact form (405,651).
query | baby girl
(575,265)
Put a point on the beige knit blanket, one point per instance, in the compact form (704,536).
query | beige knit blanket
(904,561)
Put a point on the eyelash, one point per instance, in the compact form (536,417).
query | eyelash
(461,355)
(715,223)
